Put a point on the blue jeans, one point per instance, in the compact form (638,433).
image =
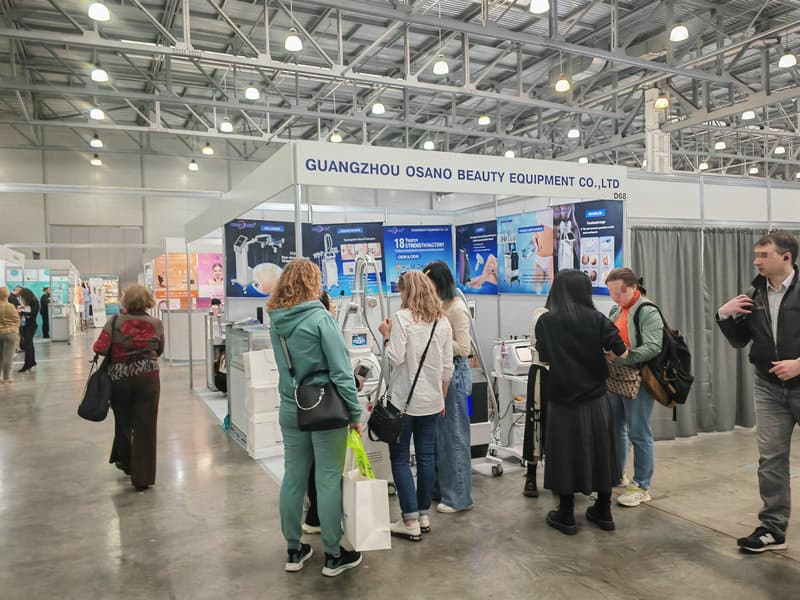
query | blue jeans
(453,456)
(415,502)
(632,420)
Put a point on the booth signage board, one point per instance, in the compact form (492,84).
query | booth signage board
(334,247)
(169,271)
(525,252)
(355,166)
(476,258)
(59,286)
(97,289)
(255,253)
(210,277)
(14,277)
(411,247)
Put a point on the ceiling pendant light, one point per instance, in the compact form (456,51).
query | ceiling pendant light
(226,126)
(96,162)
(787,60)
(539,7)
(208,150)
(440,67)
(193,166)
(644,163)
(583,160)
(780,150)
(748,115)
(662,102)
(378,108)
(679,33)
(510,154)
(96,142)
(336,137)
(97,114)
(252,93)
(574,133)
(99,75)
(720,145)
(753,170)
(428,145)
(563,84)
(703,166)
(293,43)
(484,120)
(99,12)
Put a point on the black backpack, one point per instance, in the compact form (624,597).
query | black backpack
(668,376)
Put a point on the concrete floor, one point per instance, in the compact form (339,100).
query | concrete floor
(72,527)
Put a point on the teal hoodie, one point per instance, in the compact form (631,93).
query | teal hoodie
(315,346)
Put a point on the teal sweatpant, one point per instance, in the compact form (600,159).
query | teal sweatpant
(327,449)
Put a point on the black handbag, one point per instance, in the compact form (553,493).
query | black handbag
(386,421)
(319,407)
(97,394)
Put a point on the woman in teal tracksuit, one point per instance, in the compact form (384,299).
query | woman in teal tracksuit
(315,347)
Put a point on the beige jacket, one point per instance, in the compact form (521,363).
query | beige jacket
(9,318)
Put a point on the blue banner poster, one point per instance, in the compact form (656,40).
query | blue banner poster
(476,258)
(589,236)
(411,247)
(335,247)
(525,253)
(255,253)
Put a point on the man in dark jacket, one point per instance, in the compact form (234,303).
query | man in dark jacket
(767,316)
(44,304)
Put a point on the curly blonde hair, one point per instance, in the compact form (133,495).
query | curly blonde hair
(421,297)
(300,281)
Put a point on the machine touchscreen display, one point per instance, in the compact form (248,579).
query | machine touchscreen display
(358,340)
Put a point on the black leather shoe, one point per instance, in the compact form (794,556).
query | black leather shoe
(602,519)
(531,491)
(562,521)
(141,488)
(24,370)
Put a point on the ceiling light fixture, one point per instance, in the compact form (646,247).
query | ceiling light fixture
(378,108)
(753,170)
(703,166)
(99,75)
(583,160)
(96,162)
(539,7)
(748,115)
(780,150)
(787,60)
(96,142)
(662,102)
(99,12)
(644,163)
(336,137)
(440,67)
(428,145)
(510,154)
(720,146)
(797,176)
(574,133)
(252,93)
(193,166)
(97,114)
(226,126)
(293,43)
(679,33)
(563,84)
(484,119)
(208,150)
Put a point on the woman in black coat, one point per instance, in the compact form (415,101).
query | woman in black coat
(28,313)
(574,339)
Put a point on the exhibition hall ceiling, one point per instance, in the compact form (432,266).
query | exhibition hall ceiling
(479,76)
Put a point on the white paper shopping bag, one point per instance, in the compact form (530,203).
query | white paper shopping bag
(365,514)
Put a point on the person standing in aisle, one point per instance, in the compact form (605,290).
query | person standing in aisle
(768,318)
(14,297)
(134,340)
(579,446)
(87,303)
(44,306)
(318,355)
(632,416)
(9,329)
(15,301)
(535,411)
(419,325)
(28,313)
(453,453)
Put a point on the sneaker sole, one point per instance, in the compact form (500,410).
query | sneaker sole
(783,546)
(295,567)
(425,529)
(531,493)
(341,569)
(634,504)
(565,529)
(407,536)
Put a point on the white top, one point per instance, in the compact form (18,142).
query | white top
(459,317)
(774,297)
(406,344)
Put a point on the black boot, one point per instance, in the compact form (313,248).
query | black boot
(563,518)
(531,491)
(600,513)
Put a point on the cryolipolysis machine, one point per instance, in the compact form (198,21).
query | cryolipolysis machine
(508,244)
(241,251)
(327,263)
(566,246)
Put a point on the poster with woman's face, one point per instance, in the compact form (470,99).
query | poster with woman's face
(210,276)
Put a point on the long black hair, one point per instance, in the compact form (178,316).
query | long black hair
(439,273)
(28,297)
(571,291)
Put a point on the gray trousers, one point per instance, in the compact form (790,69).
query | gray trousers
(8,344)
(777,412)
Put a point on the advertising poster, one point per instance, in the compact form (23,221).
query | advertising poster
(210,278)
(335,247)
(169,270)
(525,253)
(255,253)
(59,285)
(97,289)
(589,236)
(411,247)
(476,258)
(111,293)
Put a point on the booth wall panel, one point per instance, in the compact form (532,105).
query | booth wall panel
(729,203)
(786,206)
(654,200)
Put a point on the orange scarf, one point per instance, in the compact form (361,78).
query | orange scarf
(622,318)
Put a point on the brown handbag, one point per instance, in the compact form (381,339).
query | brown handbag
(624,381)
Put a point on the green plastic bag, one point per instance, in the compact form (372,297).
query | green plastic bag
(355,444)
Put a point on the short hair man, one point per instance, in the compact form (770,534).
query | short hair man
(44,311)
(767,317)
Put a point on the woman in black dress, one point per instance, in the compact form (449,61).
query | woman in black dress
(28,313)
(574,339)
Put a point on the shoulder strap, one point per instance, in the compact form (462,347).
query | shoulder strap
(636,319)
(419,368)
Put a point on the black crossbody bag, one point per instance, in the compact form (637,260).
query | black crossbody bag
(319,407)
(386,421)
(97,393)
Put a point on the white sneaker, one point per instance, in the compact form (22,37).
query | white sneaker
(311,529)
(411,532)
(425,524)
(634,496)
(443,508)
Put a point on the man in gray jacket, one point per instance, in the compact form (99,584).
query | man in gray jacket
(769,317)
